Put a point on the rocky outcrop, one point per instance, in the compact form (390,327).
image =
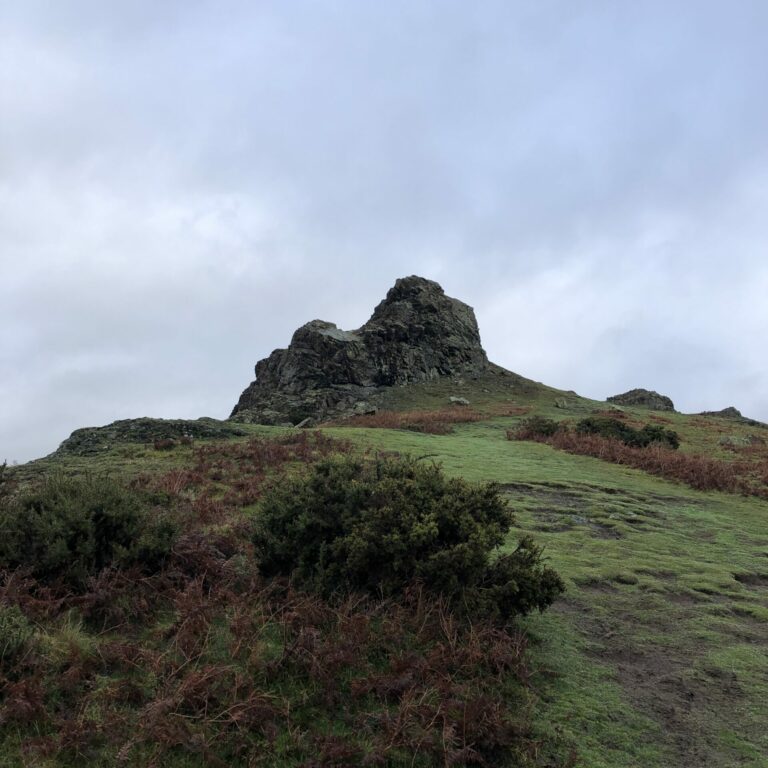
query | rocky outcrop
(91,440)
(643,398)
(734,414)
(415,334)
(727,413)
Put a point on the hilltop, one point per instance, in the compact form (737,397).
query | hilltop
(416,334)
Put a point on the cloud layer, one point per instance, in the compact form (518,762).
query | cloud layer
(182,185)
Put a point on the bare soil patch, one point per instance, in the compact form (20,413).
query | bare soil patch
(752,579)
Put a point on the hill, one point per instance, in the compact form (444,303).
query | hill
(655,656)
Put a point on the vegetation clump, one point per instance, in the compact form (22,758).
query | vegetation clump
(536,427)
(539,427)
(619,430)
(15,634)
(652,449)
(206,661)
(72,528)
(433,422)
(378,526)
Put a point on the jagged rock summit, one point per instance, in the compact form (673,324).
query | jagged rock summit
(415,334)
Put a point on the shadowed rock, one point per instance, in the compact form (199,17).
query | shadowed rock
(415,334)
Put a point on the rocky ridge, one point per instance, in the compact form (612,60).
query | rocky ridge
(416,334)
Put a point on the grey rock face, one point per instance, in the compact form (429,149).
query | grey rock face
(644,398)
(415,334)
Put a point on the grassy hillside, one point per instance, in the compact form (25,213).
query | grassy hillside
(658,653)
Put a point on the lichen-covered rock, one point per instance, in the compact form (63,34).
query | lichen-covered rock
(644,398)
(415,334)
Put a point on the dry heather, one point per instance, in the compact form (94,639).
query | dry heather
(437,422)
(204,658)
(700,472)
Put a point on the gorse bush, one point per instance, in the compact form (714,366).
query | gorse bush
(377,526)
(73,528)
(537,427)
(605,426)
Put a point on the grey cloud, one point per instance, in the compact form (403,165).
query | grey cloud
(183,184)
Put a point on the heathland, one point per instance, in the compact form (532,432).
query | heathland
(152,633)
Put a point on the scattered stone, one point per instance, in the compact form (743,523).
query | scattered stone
(416,334)
(644,398)
(561,402)
(458,400)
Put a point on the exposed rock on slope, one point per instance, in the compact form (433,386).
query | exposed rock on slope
(145,430)
(415,334)
(726,413)
(735,415)
(645,399)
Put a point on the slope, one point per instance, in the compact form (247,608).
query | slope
(657,655)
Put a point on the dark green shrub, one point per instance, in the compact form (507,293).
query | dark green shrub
(6,484)
(607,427)
(535,427)
(377,526)
(516,583)
(618,430)
(73,528)
(652,433)
(15,634)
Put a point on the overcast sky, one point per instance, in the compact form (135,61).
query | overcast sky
(182,184)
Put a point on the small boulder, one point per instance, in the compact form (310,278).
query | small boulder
(458,400)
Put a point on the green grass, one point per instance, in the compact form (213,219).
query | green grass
(658,655)
(650,566)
